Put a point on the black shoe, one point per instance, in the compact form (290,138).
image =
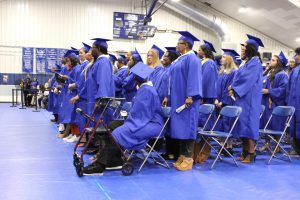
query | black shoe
(94,169)
(114,165)
(167,156)
(224,153)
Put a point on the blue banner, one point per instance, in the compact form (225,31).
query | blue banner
(61,53)
(40,56)
(51,58)
(123,23)
(27,60)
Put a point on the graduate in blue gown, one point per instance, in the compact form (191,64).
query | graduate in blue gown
(246,89)
(120,75)
(209,80)
(100,80)
(67,113)
(81,99)
(153,60)
(225,78)
(144,122)
(52,98)
(172,145)
(129,84)
(185,90)
(274,94)
(293,92)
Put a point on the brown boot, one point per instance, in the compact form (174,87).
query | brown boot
(179,161)
(186,164)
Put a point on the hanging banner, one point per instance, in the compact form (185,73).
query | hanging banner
(27,60)
(123,23)
(61,53)
(51,58)
(40,56)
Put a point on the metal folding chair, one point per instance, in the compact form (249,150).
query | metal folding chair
(205,109)
(166,114)
(282,111)
(230,112)
(262,110)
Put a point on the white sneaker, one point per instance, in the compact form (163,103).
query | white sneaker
(67,138)
(73,139)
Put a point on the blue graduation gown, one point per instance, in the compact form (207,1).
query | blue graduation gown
(144,121)
(56,101)
(247,84)
(209,91)
(50,96)
(294,100)
(67,110)
(277,93)
(223,82)
(209,78)
(119,77)
(81,92)
(100,81)
(186,81)
(156,77)
(129,87)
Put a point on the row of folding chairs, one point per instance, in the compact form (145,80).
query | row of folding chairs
(233,112)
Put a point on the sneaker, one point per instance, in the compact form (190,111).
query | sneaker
(115,165)
(67,138)
(74,138)
(94,169)
(186,164)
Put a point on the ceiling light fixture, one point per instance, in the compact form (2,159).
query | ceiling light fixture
(243,9)
(297,39)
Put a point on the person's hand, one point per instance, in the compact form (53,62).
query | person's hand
(72,86)
(165,102)
(65,77)
(231,93)
(74,99)
(220,105)
(265,91)
(188,101)
(216,102)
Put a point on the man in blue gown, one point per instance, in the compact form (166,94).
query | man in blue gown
(185,92)
(120,75)
(144,122)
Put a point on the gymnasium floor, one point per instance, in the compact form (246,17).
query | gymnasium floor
(35,165)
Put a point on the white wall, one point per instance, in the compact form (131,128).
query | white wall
(65,23)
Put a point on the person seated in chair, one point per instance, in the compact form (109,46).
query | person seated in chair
(145,121)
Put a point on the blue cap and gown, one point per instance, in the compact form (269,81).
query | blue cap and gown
(145,119)
(247,85)
(185,81)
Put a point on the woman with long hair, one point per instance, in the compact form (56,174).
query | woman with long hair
(274,94)
(153,60)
